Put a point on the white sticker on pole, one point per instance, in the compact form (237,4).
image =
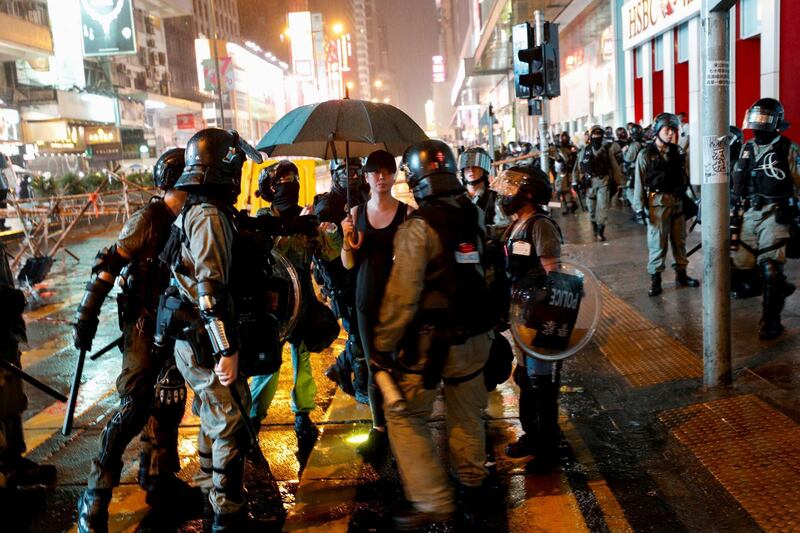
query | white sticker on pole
(718,73)
(715,159)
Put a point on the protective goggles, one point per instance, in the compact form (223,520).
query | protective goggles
(289,177)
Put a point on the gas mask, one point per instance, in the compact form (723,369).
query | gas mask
(597,141)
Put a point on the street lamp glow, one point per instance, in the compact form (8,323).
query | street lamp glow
(337,28)
(350,85)
(379,83)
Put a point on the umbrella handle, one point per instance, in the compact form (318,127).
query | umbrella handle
(359,240)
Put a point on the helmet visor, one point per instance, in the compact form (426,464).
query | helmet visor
(475,159)
(761,119)
(508,182)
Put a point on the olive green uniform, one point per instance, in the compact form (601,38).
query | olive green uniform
(206,256)
(666,224)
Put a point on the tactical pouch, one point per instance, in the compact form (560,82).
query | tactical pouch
(197,337)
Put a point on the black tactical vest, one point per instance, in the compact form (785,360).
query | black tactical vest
(665,173)
(595,165)
(463,284)
(768,176)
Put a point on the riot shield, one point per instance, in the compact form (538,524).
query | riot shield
(553,319)
(286,283)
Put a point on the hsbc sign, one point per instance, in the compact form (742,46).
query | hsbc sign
(644,19)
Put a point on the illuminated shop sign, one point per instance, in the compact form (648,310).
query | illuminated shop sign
(107,27)
(101,134)
(644,19)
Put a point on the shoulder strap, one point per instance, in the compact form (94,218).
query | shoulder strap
(538,216)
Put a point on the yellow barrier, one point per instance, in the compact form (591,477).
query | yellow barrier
(248,199)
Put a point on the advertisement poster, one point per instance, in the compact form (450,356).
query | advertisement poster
(107,27)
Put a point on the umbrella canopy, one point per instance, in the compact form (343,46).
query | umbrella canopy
(329,128)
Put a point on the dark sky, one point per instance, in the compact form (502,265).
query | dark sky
(413,33)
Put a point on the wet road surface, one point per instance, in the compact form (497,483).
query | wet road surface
(644,449)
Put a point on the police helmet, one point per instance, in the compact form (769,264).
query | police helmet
(565,139)
(666,120)
(475,157)
(520,185)
(281,172)
(767,115)
(431,169)
(526,148)
(169,168)
(214,159)
(636,132)
(339,168)
(622,134)
(597,129)
(514,149)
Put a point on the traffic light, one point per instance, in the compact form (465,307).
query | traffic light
(528,65)
(552,73)
(536,68)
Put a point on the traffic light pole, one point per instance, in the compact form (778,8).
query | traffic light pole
(715,196)
(544,161)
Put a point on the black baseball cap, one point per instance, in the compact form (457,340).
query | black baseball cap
(380,159)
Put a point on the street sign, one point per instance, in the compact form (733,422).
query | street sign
(107,27)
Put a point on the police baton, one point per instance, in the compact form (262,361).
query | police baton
(73,394)
(106,349)
(47,389)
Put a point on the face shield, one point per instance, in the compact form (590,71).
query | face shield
(760,119)
(508,182)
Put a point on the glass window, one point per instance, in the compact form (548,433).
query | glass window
(658,53)
(750,18)
(637,57)
(683,43)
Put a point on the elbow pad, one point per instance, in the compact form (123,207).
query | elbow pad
(107,265)
(216,317)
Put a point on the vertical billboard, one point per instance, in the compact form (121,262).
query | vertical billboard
(107,27)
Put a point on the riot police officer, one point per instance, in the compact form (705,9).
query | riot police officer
(475,167)
(629,156)
(533,245)
(595,168)
(762,181)
(338,284)
(16,471)
(617,151)
(434,327)
(134,258)
(661,183)
(566,155)
(200,254)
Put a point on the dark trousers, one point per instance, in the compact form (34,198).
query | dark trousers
(365,325)
(3,205)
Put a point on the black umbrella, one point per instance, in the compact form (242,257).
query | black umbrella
(355,127)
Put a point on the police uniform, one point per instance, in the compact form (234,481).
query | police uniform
(565,164)
(616,152)
(629,168)
(595,163)
(421,293)
(762,178)
(660,183)
(134,257)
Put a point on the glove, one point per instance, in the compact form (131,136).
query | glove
(642,216)
(85,330)
(380,360)
(304,224)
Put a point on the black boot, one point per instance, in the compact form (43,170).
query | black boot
(601,229)
(376,445)
(93,511)
(683,279)
(549,435)
(772,304)
(230,522)
(528,416)
(655,284)
(168,492)
(233,489)
(594,229)
(21,472)
(745,283)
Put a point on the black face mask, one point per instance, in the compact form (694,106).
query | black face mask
(286,196)
(765,137)
(597,142)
